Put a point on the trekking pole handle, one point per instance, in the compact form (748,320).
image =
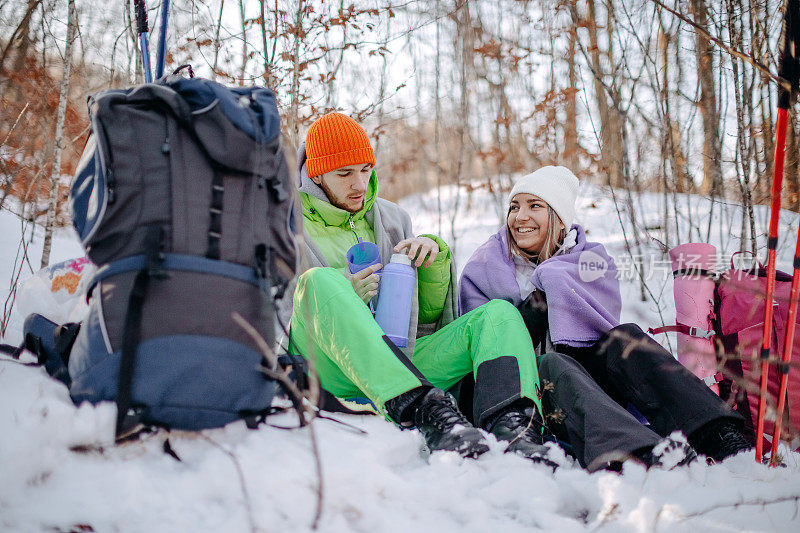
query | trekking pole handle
(141,16)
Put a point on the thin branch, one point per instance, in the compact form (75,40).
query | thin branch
(296,397)
(27,104)
(242,482)
(758,501)
(736,53)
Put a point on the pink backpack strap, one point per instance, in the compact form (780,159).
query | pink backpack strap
(692,331)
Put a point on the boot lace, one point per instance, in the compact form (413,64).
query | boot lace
(527,427)
(440,412)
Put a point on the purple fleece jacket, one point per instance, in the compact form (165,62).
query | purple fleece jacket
(583,299)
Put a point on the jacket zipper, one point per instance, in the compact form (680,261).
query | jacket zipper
(352,225)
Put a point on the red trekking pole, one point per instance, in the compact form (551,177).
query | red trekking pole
(788,70)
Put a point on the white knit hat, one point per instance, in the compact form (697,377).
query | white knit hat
(557,186)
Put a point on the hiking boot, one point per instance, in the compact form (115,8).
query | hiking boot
(521,427)
(401,408)
(436,415)
(719,439)
(670,452)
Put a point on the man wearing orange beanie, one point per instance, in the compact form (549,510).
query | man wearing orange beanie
(332,324)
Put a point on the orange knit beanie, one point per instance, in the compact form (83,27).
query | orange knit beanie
(336,141)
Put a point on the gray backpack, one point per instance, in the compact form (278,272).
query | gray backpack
(186,203)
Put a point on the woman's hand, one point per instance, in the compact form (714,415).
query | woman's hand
(365,282)
(419,248)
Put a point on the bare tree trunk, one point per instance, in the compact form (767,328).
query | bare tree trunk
(330,94)
(667,150)
(672,142)
(263,24)
(382,86)
(712,150)
(571,125)
(464,51)
(243,68)
(421,119)
(217,44)
(610,130)
(791,170)
(9,181)
(744,145)
(294,118)
(672,128)
(21,32)
(764,156)
(436,124)
(269,75)
(72,24)
(25,38)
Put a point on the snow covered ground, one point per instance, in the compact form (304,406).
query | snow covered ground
(60,472)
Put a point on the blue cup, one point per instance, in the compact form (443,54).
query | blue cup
(363,255)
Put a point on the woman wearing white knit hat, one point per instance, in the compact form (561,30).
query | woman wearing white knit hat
(567,291)
(550,192)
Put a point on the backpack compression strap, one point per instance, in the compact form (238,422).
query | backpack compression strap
(132,331)
(692,331)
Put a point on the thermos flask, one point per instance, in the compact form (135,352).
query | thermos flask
(394,299)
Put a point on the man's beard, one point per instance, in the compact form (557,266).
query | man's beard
(335,202)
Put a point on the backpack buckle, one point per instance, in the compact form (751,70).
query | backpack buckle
(700,333)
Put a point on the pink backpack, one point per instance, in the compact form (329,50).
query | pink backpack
(720,320)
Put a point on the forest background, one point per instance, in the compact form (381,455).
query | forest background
(641,95)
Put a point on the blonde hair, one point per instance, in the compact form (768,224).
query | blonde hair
(555,238)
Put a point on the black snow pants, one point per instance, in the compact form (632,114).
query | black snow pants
(632,367)
(578,411)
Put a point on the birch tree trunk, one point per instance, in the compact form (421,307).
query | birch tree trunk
(72,23)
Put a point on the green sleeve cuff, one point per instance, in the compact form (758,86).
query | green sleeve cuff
(433,283)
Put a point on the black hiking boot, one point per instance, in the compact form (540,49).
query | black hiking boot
(521,428)
(437,417)
(719,439)
(401,408)
(670,452)
(435,413)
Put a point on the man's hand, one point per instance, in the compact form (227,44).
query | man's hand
(419,248)
(365,282)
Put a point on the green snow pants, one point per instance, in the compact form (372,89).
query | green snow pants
(331,325)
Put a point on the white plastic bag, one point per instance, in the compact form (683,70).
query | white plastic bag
(57,292)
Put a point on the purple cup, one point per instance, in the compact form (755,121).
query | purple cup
(363,255)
